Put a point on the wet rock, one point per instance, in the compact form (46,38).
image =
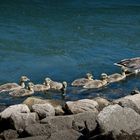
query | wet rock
(102,102)
(81,106)
(20,108)
(20,120)
(118,120)
(55,103)
(9,134)
(43,110)
(68,134)
(40,130)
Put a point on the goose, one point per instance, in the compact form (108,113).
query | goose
(83,81)
(131,65)
(13,86)
(40,87)
(23,92)
(116,77)
(56,85)
(96,84)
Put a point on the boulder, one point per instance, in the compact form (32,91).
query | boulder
(102,102)
(9,134)
(68,134)
(131,101)
(118,120)
(20,120)
(20,108)
(30,101)
(38,129)
(80,106)
(43,110)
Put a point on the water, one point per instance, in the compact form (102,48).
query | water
(66,39)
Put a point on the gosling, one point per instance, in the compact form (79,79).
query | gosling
(23,92)
(40,87)
(56,85)
(96,84)
(83,81)
(13,86)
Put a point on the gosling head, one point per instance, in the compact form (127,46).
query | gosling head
(104,76)
(24,78)
(65,84)
(123,70)
(30,85)
(47,81)
(89,76)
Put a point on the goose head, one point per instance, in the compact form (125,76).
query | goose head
(30,86)
(104,76)
(24,79)
(47,81)
(89,76)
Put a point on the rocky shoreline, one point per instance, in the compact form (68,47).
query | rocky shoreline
(86,119)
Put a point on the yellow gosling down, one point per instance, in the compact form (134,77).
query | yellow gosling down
(116,77)
(82,81)
(96,84)
(56,85)
(40,87)
(131,65)
(23,92)
(13,86)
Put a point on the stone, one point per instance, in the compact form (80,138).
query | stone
(80,106)
(68,134)
(9,134)
(59,122)
(102,102)
(30,101)
(34,138)
(21,120)
(38,129)
(20,108)
(43,110)
(118,120)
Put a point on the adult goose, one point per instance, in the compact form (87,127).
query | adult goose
(96,84)
(56,85)
(40,87)
(23,92)
(131,65)
(83,81)
(116,77)
(13,86)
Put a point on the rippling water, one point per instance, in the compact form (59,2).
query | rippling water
(66,39)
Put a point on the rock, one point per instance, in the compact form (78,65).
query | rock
(3,107)
(43,110)
(126,103)
(102,102)
(38,129)
(131,101)
(118,120)
(59,122)
(9,134)
(34,138)
(68,134)
(81,106)
(30,101)
(88,117)
(21,120)
(20,108)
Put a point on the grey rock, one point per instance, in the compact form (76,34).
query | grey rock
(30,101)
(68,134)
(43,110)
(34,138)
(118,120)
(21,120)
(38,129)
(102,102)
(20,108)
(9,134)
(80,106)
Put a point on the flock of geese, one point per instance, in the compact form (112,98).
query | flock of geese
(128,66)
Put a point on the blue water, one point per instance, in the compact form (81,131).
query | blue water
(66,39)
